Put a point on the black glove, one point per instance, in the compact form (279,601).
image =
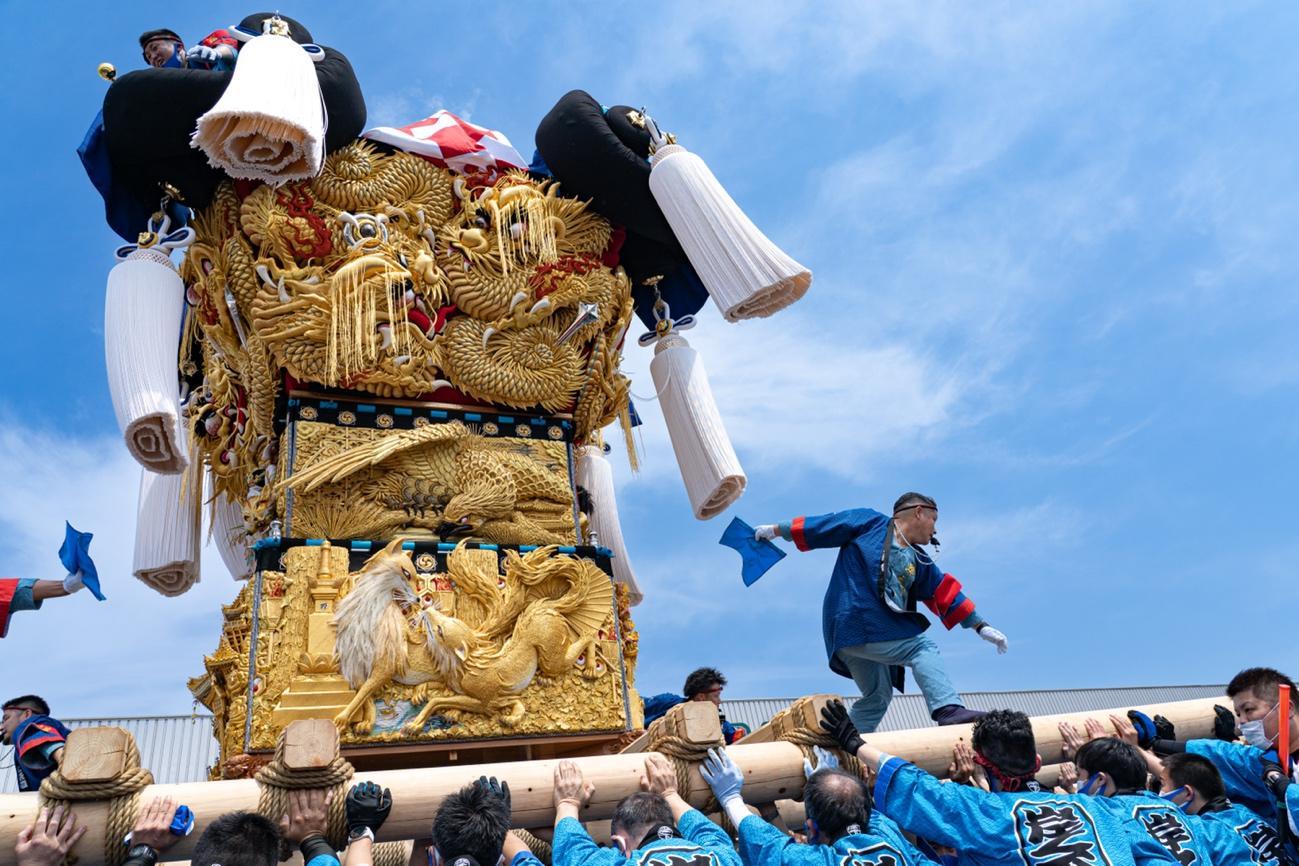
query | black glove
(1147,733)
(835,722)
(1164,729)
(498,790)
(368,805)
(1275,779)
(1224,724)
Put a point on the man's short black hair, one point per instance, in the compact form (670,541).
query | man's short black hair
(1120,761)
(1263,682)
(34,703)
(639,813)
(908,500)
(836,800)
(1195,771)
(238,839)
(1005,737)
(701,681)
(471,821)
(161,33)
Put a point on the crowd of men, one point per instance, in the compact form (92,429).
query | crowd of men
(1131,793)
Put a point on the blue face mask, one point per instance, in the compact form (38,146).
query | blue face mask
(1175,793)
(174,62)
(1092,783)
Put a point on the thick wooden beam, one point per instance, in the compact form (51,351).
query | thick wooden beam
(773,772)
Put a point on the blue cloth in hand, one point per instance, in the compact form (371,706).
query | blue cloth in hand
(75,555)
(758,556)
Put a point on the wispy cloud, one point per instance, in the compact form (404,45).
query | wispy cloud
(131,654)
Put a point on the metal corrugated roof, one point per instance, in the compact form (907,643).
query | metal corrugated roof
(182,748)
(909,710)
(174,748)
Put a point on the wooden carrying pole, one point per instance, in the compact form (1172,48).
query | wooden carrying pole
(773,771)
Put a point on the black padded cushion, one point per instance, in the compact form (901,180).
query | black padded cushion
(150,114)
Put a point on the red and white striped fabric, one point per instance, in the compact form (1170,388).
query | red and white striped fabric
(446,140)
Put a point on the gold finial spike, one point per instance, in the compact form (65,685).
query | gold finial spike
(324,570)
(107,71)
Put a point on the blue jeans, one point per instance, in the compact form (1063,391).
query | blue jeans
(869,665)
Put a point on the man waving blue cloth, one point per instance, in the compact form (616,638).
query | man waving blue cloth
(871,626)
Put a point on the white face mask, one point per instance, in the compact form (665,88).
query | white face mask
(1255,735)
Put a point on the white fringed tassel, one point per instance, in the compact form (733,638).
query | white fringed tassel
(270,123)
(231,537)
(747,275)
(596,475)
(143,306)
(712,473)
(167,534)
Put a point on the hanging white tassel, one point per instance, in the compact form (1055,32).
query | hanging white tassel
(167,533)
(231,537)
(596,475)
(712,473)
(269,124)
(143,306)
(746,274)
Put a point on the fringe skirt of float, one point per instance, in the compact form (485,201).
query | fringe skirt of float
(167,533)
(143,306)
(746,274)
(709,467)
(231,537)
(269,124)
(596,475)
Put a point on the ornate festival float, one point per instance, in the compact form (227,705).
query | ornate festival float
(377,368)
(383,363)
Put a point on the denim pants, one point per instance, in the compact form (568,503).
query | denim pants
(869,665)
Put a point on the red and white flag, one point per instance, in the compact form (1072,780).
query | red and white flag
(452,143)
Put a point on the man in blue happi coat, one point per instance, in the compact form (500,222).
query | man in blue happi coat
(869,619)
(1246,768)
(37,738)
(1023,828)
(841,828)
(655,827)
(1195,785)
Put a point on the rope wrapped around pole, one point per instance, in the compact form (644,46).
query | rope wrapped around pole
(666,736)
(277,778)
(122,792)
(800,724)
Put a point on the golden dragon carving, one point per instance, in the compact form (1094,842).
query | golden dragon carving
(542,619)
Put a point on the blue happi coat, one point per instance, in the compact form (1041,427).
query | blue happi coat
(761,844)
(863,604)
(1020,829)
(1191,840)
(702,843)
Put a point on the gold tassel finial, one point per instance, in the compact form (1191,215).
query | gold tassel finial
(107,71)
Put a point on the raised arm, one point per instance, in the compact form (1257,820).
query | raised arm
(825,530)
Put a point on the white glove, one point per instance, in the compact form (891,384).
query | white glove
(73,582)
(204,53)
(825,759)
(766,532)
(992,636)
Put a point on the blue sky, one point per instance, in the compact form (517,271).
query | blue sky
(1053,248)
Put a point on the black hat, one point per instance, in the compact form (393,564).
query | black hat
(161,33)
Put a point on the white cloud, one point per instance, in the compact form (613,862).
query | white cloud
(801,393)
(131,654)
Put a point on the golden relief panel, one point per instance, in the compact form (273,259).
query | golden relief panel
(431,479)
(471,645)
